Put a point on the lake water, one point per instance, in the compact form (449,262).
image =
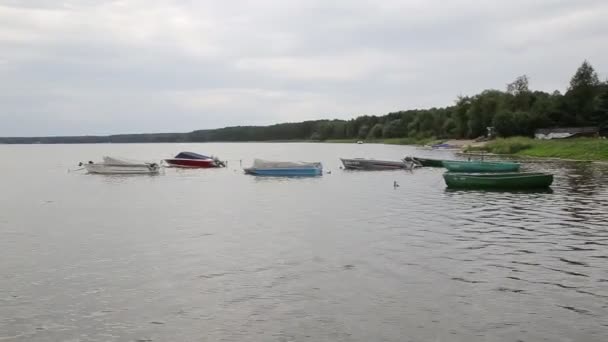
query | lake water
(216,255)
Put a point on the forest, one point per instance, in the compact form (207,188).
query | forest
(515,111)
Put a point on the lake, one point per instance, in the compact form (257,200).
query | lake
(216,255)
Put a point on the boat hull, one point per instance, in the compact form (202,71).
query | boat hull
(121,169)
(370,164)
(192,163)
(506,181)
(427,162)
(285,172)
(471,166)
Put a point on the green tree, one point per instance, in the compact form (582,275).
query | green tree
(322,131)
(523,123)
(542,107)
(426,124)
(600,117)
(448,129)
(339,130)
(518,94)
(392,129)
(363,132)
(580,97)
(461,117)
(515,111)
(504,124)
(585,77)
(375,132)
(483,108)
(520,85)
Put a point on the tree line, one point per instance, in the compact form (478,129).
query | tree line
(517,110)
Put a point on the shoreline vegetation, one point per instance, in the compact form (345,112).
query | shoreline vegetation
(580,149)
(576,149)
(513,113)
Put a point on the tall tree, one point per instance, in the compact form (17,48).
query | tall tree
(600,117)
(461,117)
(520,85)
(579,99)
(585,77)
(520,92)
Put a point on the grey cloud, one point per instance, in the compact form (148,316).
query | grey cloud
(98,67)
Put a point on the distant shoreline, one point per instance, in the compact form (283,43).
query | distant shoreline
(578,149)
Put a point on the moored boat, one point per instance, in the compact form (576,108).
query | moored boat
(506,181)
(111,165)
(285,169)
(426,162)
(372,164)
(480,166)
(194,160)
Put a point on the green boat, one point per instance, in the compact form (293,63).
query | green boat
(427,162)
(480,166)
(507,181)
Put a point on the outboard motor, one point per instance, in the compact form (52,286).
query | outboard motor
(218,162)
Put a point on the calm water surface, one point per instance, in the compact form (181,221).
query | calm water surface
(215,255)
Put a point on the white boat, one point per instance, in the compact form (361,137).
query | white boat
(277,168)
(111,165)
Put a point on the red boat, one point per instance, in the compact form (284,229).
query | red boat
(194,160)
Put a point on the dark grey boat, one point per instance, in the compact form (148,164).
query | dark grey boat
(372,164)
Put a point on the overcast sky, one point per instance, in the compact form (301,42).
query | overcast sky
(104,67)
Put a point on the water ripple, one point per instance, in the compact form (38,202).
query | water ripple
(221,256)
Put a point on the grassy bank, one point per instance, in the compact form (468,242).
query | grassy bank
(340,141)
(579,149)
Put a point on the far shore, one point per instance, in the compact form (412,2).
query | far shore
(576,149)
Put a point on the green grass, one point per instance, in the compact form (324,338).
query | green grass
(341,141)
(505,146)
(579,148)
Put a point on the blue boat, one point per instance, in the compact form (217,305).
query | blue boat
(284,169)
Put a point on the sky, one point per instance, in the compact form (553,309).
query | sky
(95,67)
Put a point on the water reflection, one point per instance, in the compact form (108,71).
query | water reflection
(504,191)
(581,178)
(219,255)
